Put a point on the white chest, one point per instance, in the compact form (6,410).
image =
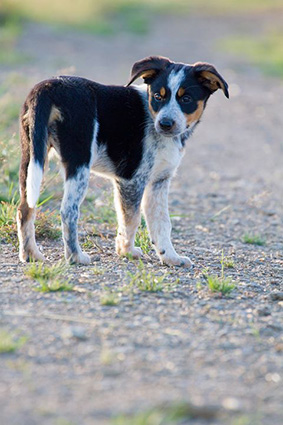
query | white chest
(168,156)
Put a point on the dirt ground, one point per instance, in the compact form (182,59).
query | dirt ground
(84,363)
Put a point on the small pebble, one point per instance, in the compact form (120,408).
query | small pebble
(264,311)
(276,296)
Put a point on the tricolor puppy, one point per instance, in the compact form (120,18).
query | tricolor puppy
(134,135)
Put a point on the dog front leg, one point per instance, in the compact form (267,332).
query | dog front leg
(127,198)
(155,209)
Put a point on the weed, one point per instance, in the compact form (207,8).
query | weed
(47,225)
(8,228)
(8,342)
(145,280)
(255,332)
(109,298)
(253,239)
(43,200)
(222,284)
(142,238)
(98,271)
(12,195)
(55,285)
(106,357)
(8,212)
(43,271)
(50,278)
(88,243)
(173,414)
(227,262)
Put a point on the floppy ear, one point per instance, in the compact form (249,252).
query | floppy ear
(148,68)
(210,78)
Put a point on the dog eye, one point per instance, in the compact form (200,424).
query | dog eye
(186,99)
(157,97)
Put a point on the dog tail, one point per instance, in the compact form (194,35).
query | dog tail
(34,133)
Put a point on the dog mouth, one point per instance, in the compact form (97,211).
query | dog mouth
(172,132)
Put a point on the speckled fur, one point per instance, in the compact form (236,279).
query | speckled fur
(134,136)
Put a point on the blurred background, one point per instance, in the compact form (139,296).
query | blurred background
(205,348)
(101,39)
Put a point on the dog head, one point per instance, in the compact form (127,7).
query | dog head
(177,93)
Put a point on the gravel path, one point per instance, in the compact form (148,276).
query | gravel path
(84,362)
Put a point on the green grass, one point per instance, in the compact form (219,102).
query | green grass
(144,280)
(7,213)
(10,30)
(253,239)
(55,285)
(142,238)
(239,6)
(47,225)
(43,271)
(109,298)
(50,278)
(98,271)
(101,211)
(8,210)
(9,343)
(218,284)
(8,227)
(227,262)
(265,51)
(10,101)
(169,414)
(88,243)
(10,110)
(100,16)
(223,285)
(110,16)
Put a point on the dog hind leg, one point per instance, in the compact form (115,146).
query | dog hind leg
(74,192)
(29,171)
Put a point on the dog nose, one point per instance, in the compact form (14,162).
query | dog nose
(166,124)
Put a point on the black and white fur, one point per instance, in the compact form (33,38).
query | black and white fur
(134,135)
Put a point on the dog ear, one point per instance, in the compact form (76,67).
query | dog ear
(148,68)
(210,78)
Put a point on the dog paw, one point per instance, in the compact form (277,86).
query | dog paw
(177,261)
(134,252)
(31,255)
(79,258)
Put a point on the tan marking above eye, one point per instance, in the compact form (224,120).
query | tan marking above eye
(181,91)
(195,116)
(162,91)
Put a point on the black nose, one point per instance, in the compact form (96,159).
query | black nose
(166,124)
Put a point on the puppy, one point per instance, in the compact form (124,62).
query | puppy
(134,135)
